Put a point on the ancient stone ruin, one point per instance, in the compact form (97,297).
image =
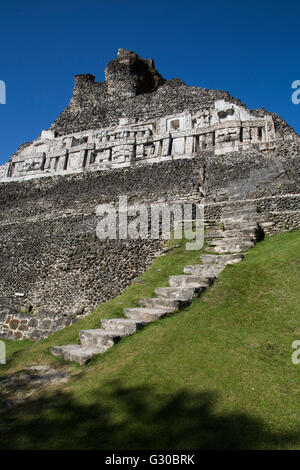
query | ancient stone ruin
(97,132)
(223,128)
(139,135)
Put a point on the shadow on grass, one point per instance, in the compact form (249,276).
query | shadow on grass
(134,418)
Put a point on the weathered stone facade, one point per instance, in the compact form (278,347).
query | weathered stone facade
(49,249)
(136,117)
(17,325)
(138,135)
(224,128)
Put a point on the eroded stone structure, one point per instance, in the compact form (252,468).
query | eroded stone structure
(127,121)
(139,135)
(224,128)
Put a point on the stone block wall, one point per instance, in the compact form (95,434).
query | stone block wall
(158,141)
(18,326)
(49,250)
(52,262)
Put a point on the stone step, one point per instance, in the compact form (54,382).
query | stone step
(76,352)
(213,228)
(234,233)
(243,211)
(146,314)
(222,260)
(203,269)
(98,337)
(161,302)
(123,325)
(231,242)
(186,280)
(225,249)
(182,293)
(240,226)
(239,221)
(211,225)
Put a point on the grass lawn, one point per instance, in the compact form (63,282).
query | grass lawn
(217,375)
(11,347)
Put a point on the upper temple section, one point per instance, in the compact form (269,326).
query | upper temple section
(132,89)
(135,117)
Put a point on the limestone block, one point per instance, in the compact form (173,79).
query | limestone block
(5,170)
(254,134)
(189,145)
(81,147)
(74,161)
(162,126)
(270,128)
(31,164)
(175,123)
(51,163)
(166,147)
(158,148)
(139,151)
(47,134)
(246,134)
(123,153)
(149,150)
(178,146)
(100,156)
(205,141)
(188,122)
(62,162)
(227,134)
(226,111)
(203,119)
(183,293)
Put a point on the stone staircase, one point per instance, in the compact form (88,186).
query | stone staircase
(236,232)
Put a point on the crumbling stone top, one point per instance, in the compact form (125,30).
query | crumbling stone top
(135,90)
(135,117)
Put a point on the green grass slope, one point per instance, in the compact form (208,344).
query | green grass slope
(217,375)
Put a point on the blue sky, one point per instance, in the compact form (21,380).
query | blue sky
(250,49)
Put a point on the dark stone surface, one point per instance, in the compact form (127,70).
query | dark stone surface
(48,245)
(133,89)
